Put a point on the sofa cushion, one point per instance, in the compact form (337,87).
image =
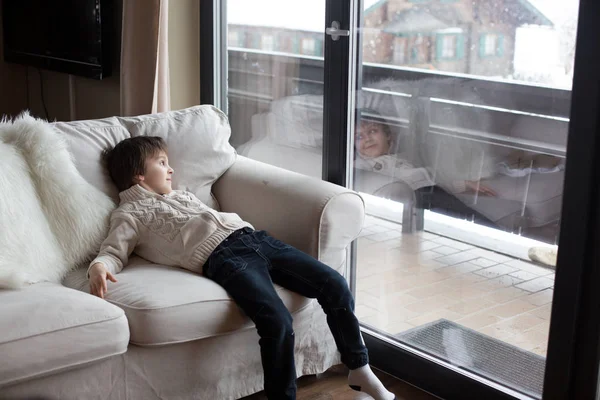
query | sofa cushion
(197,138)
(297,122)
(166,305)
(87,139)
(47,328)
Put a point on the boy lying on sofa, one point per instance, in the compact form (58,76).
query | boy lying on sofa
(174,228)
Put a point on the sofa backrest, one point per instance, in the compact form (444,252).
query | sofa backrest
(197,138)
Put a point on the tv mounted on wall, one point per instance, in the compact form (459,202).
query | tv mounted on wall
(71,36)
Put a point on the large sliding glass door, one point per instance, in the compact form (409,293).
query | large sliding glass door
(452,119)
(460,152)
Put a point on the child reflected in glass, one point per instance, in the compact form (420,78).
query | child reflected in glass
(376,151)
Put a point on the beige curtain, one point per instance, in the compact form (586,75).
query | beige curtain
(144,57)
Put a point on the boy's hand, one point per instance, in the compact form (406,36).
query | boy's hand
(98,276)
(477,187)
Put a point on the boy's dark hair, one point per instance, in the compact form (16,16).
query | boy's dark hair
(128,158)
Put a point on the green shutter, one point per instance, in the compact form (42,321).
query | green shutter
(439,43)
(256,41)
(414,54)
(500,46)
(460,46)
(295,45)
(318,47)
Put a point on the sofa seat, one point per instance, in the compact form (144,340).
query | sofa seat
(166,305)
(48,328)
(538,197)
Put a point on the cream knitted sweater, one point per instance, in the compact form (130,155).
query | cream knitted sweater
(175,229)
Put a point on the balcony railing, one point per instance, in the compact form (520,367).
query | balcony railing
(521,115)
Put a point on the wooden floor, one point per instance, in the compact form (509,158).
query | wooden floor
(333,385)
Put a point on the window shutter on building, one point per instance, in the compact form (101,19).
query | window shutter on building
(500,46)
(439,46)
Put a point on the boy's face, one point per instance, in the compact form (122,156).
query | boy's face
(371,140)
(157,174)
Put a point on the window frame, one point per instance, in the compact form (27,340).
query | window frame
(499,47)
(459,44)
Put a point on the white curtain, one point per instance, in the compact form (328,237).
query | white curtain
(145,57)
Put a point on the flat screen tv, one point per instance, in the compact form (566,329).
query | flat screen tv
(70,36)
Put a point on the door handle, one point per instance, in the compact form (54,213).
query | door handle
(335,32)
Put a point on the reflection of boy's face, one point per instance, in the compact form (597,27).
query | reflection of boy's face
(371,140)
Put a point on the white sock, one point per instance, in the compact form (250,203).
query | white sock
(545,255)
(364,380)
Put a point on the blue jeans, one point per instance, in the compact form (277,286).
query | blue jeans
(247,264)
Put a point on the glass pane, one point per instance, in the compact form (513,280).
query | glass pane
(459,151)
(275,81)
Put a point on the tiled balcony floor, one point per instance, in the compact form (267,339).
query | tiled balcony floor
(406,280)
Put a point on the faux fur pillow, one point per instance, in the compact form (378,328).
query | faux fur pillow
(51,219)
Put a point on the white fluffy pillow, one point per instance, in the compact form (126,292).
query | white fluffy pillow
(30,252)
(52,219)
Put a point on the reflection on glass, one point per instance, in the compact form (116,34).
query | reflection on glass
(275,81)
(459,152)
(500,39)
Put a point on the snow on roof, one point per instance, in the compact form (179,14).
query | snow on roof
(414,21)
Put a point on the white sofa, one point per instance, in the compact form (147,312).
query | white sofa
(166,333)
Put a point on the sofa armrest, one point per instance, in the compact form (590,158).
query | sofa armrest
(314,216)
